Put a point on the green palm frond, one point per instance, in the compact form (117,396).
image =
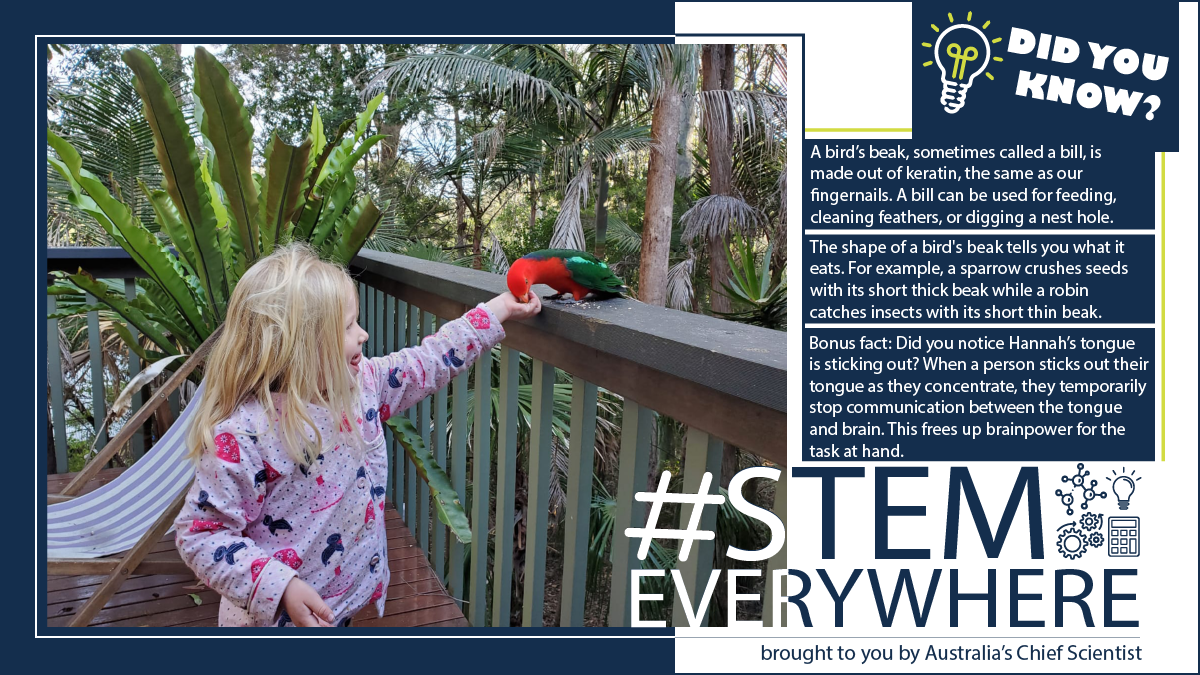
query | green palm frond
(663,66)
(746,114)
(500,83)
(496,254)
(606,145)
(714,215)
(680,290)
(568,228)
(106,125)
(426,251)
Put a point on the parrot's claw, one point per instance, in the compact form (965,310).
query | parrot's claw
(556,296)
(565,301)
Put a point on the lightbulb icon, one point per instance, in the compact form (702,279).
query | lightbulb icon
(963,64)
(1123,488)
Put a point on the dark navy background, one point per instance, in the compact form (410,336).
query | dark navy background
(994,117)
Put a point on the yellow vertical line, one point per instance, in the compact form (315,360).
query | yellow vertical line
(1163,325)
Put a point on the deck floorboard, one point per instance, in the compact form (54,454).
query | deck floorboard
(415,596)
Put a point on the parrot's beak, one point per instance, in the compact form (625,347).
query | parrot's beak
(524,298)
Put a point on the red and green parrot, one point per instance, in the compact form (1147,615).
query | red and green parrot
(569,272)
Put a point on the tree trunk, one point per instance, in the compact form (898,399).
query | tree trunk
(390,145)
(660,200)
(717,73)
(533,203)
(601,209)
(477,242)
(683,157)
(460,217)
(460,204)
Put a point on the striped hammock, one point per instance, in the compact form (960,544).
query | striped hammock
(113,517)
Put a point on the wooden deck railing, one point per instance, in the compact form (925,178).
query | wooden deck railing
(725,381)
(103,263)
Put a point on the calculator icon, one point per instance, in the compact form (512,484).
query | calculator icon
(1124,537)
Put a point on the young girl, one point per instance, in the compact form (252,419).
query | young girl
(284,519)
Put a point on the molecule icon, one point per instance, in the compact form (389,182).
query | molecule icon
(1068,498)
(1079,481)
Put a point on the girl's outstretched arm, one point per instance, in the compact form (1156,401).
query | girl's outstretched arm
(403,378)
(225,498)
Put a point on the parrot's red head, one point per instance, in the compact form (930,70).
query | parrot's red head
(520,279)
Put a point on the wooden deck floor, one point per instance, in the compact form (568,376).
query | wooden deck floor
(415,596)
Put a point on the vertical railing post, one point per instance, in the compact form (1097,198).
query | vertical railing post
(480,489)
(506,486)
(137,444)
(579,501)
(362,305)
(423,517)
(637,425)
(541,438)
(779,560)
(439,456)
(412,510)
(54,373)
(458,478)
(368,321)
(702,454)
(389,339)
(399,335)
(96,357)
(380,333)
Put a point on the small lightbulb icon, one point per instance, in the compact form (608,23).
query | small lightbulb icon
(1123,488)
(963,63)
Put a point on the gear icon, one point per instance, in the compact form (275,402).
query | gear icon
(1096,540)
(1071,543)
(1091,521)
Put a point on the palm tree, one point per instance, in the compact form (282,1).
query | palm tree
(537,117)
(745,132)
(671,71)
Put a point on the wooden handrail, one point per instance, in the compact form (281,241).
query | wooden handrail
(726,378)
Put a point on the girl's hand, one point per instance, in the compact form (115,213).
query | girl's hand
(305,606)
(507,307)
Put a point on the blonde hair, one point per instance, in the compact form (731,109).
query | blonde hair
(283,334)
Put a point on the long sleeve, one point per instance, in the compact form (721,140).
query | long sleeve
(405,377)
(226,497)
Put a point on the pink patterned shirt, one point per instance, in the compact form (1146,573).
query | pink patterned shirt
(254,518)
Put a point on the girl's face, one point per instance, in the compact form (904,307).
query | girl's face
(355,336)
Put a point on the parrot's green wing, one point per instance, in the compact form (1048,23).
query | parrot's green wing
(586,269)
(591,273)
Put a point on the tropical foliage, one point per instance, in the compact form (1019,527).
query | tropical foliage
(461,154)
(217,212)
(763,303)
